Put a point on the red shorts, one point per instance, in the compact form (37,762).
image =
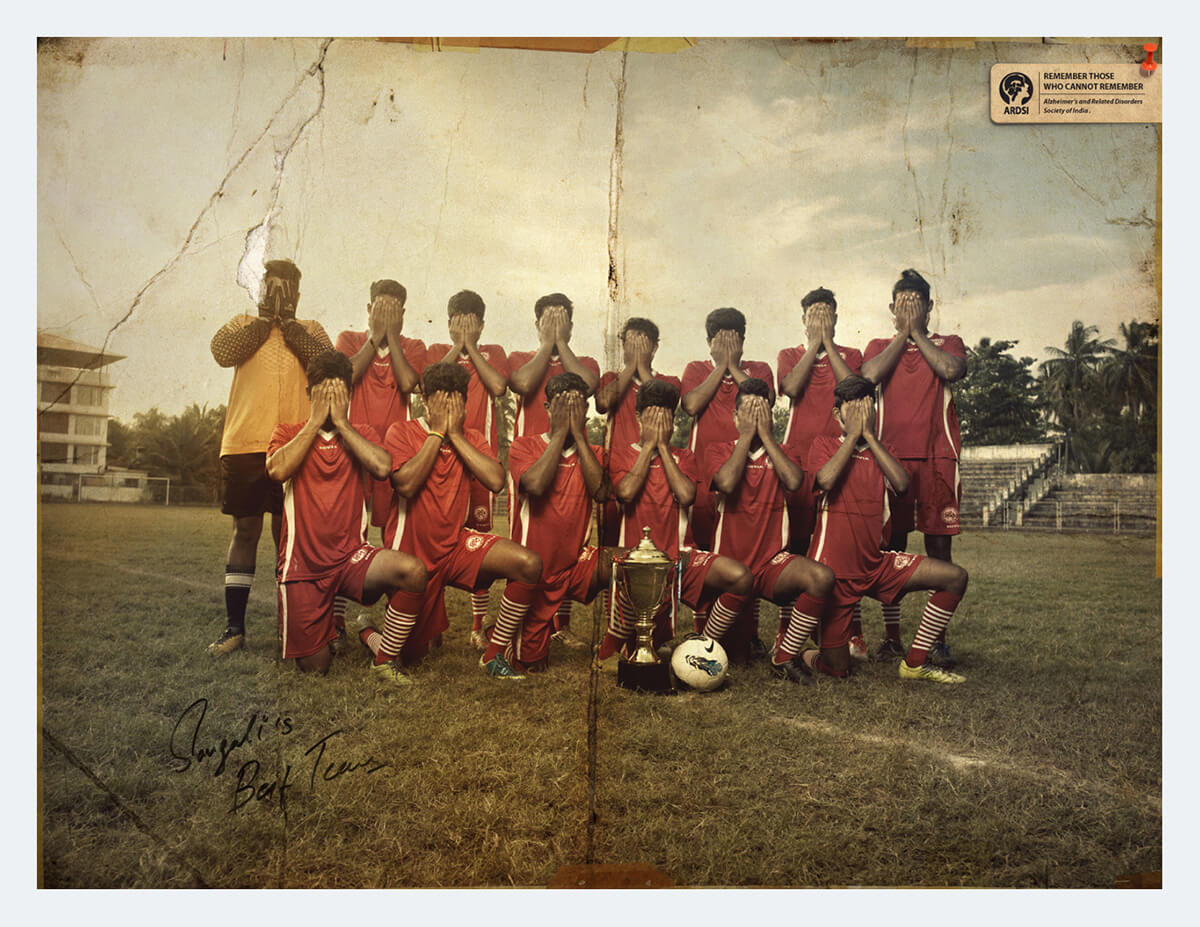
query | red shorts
(479,516)
(886,584)
(767,575)
(458,568)
(306,605)
(934,496)
(572,584)
(694,574)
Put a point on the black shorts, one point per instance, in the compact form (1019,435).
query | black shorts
(245,487)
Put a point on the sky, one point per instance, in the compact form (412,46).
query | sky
(748,172)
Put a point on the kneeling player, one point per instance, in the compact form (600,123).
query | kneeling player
(854,473)
(751,477)
(554,479)
(324,464)
(656,486)
(434,459)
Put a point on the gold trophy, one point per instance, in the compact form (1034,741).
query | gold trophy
(644,575)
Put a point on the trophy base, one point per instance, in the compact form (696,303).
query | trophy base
(654,678)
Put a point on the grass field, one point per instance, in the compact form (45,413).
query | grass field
(1043,770)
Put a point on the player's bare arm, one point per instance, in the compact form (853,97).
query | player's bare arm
(786,469)
(236,341)
(635,345)
(571,363)
(540,476)
(373,458)
(729,475)
(483,467)
(853,420)
(947,366)
(526,379)
(797,378)
(595,477)
(402,371)
(682,488)
(698,398)
(841,369)
(880,367)
(283,464)
(457,339)
(410,476)
(492,379)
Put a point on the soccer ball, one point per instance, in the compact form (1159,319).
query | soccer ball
(700,663)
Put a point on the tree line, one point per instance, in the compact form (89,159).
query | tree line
(1100,398)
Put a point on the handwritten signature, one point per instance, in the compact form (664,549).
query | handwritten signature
(189,748)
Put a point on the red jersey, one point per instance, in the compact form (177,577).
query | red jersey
(324,504)
(532,417)
(557,523)
(812,413)
(428,525)
(621,428)
(752,521)
(916,411)
(655,505)
(376,399)
(852,518)
(715,424)
(481,409)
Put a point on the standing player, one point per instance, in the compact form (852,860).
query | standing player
(554,478)
(917,417)
(487,367)
(856,475)
(386,369)
(531,371)
(269,353)
(656,486)
(324,464)
(751,477)
(807,376)
(434,458)
(710,390)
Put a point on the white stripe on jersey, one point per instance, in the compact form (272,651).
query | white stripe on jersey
(401,520)
(283,613)
(878,410)
(289,514)
(822,525)
(947,395)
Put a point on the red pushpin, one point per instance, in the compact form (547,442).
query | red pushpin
(1149,65)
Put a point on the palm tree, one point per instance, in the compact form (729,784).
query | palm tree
(1132,372)
(1070,381)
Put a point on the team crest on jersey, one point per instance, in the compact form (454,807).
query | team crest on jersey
(781,557)
(474,541)
(481,513)
(358,555)
(903,561)
(938,341)
(950,515)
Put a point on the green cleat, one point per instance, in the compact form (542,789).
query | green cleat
(930,672)
(391,672)
(498,668)
(227,643)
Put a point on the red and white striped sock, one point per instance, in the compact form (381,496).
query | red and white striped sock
(938,612)
(806,614)
(371,639)
(562,617)
(891,622)
(514,606)
(856,620)
(479,607)
(398,621)
(339,611)
(722,615)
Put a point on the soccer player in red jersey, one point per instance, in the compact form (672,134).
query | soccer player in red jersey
(324,464)
(487,367)
(531,371)
(857,472)
(914,370)
(387,367)
(709,396)
(751,476)
(554,478)
(434,458)
(807,376)
(616,397)
(656,485)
